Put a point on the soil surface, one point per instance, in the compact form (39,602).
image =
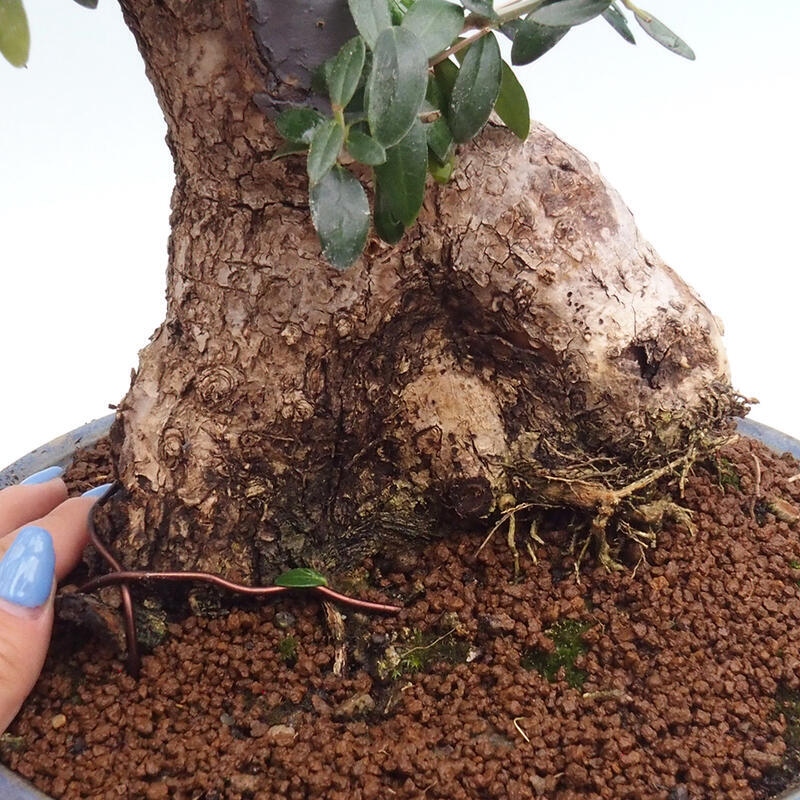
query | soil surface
(676,678)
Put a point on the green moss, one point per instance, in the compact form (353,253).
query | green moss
(421,650)
(567,646)
(727,474)
(287,650)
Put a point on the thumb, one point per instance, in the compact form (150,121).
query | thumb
(27,584)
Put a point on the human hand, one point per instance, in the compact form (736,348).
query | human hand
(42,536)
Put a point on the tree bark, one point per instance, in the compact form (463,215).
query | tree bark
(288,413)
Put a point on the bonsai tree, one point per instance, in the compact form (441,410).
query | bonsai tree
(390,315)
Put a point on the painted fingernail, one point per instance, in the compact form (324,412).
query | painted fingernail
(43,476)
(27,568)
(97,491)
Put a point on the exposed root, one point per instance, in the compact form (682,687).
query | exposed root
(757,490)
(587,487)
(509,518)
(335,622)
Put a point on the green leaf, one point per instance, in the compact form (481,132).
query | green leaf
(15,36)
(345,72)
(435,23)
(662,34)
(298,124)
(396,85)
(440,139)
(387,226)
(442,172)
(326,144)
(476,88)
(483,8)
(340,213)
(301,578)
(365,149)
(446,73)
(512,104)
(616,19)
(371,18)
(559,13)
(401,178)
(534,40)
(289,149)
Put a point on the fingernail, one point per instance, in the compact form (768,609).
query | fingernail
(43,476)
(97,491)
(27,568)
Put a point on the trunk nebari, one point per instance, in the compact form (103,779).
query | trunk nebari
(288,413)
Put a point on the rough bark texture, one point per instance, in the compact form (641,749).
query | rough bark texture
(285,412)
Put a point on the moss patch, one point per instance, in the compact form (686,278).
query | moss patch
(568,644)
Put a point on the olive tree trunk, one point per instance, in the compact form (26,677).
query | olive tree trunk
(288,413)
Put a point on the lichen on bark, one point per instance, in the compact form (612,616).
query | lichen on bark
(288,413)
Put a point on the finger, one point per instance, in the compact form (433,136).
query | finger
(26,616)
(25,502)
(68,525)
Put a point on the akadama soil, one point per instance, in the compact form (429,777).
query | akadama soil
(676,679)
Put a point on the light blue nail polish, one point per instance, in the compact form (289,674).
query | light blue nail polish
(97,491)
(27,568)
(43,476)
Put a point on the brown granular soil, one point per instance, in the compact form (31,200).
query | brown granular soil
(673,679)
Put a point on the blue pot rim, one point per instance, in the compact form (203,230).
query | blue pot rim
(59,452)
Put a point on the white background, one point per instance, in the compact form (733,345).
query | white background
(706,155)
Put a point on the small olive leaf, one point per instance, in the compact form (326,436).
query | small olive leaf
(509,29)
(483,8)
(476,88)
(289,149)
(446,73)
(371,17)
(365,149)
(326,144)
(534,40)
(401,177)
(301,578)
(15,36)
(396,85)
(387,226)
(355,111)
(616,19)
(344,72)
(662,34)
(435,23)
(298,124)
(512,104)
(435,93)
(441,172)
(87,3)
(440,139)
(340,213)
(568,12)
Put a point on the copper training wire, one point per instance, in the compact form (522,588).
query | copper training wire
(133,658)
(121,578)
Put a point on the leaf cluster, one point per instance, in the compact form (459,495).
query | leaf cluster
(421,77)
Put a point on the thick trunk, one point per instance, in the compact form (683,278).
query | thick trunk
(289,413)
